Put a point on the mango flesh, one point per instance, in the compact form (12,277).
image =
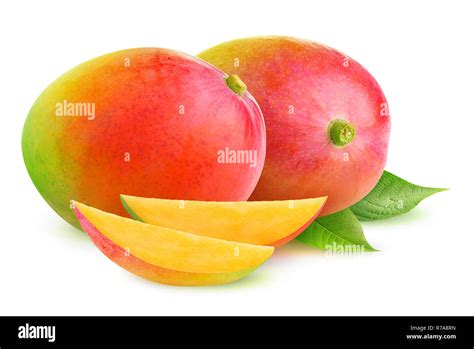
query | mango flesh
(147,122)
(160,252)
(124,259)
(302,86)
(259,223)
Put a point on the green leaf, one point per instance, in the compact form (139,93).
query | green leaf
(392,196)
(338,229)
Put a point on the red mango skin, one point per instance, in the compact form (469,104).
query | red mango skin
(161,117)
(301,86)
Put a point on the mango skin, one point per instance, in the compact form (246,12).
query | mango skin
(301,86)
(160,119)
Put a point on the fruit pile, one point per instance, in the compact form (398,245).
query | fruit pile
(180,143)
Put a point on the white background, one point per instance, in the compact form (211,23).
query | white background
(422,54)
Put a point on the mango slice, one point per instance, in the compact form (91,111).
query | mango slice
(254,222)
(169,256)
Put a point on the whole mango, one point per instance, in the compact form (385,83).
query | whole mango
(327,119)
(147,122)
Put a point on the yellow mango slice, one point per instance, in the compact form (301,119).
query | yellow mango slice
(254,222)
(129,262)
(171,249)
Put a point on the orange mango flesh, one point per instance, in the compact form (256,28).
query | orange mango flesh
(128,261)
(258,222)
(175,250)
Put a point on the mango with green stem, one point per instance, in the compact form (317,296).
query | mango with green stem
(147,122)
(327,119)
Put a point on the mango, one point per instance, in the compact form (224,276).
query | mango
(169,256)
(146,122)
(272,223)
(327,119)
